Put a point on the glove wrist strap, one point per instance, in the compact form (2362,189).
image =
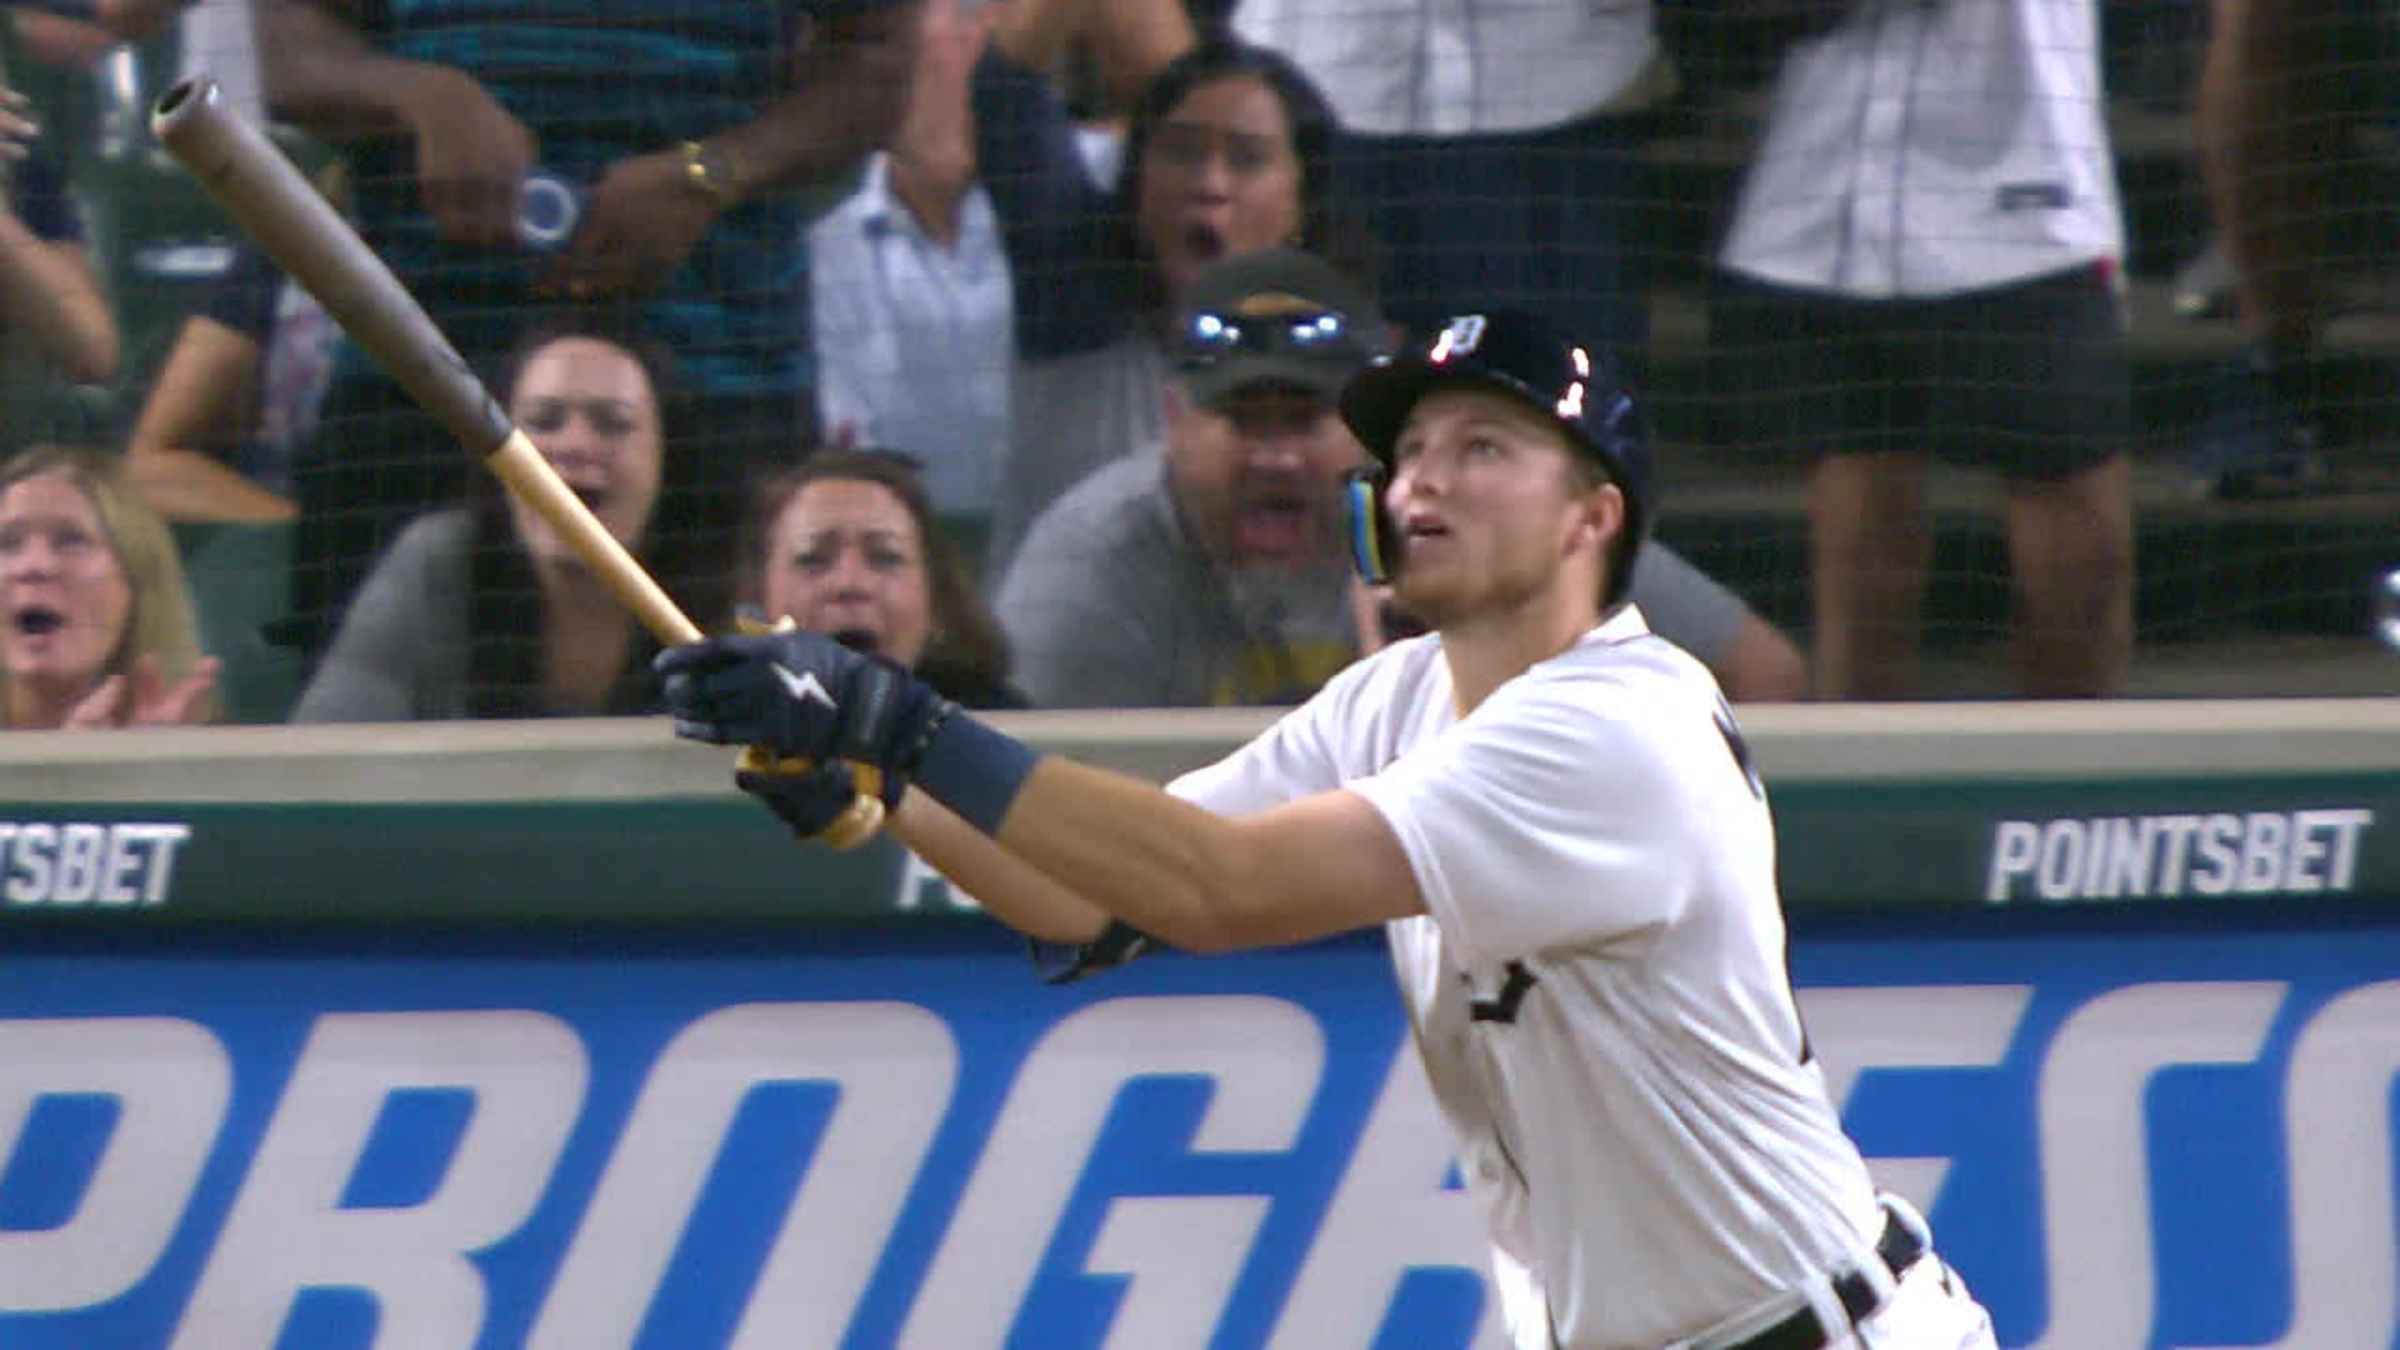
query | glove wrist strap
(975,771)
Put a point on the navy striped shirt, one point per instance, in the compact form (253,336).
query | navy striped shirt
(597,81)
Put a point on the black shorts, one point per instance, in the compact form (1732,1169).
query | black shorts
(2028,378)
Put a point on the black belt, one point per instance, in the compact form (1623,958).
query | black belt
(1899,1248)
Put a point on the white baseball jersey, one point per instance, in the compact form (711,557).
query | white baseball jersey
(1929,147)
(1452,67)
(1599,988)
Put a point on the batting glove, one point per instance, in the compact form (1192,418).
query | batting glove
(801,695)
(810,799)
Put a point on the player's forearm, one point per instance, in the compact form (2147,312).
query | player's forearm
(1008,888)
(1161,864)
(848,86)
(1321,864)
(2267,140)
(48,293)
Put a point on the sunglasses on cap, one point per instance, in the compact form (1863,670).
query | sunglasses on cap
(1209,336)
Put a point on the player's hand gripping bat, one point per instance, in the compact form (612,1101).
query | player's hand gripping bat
(262,191)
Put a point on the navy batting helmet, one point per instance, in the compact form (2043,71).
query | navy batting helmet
(1521,356)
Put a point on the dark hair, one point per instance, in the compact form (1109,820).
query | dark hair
(1325,229)
(967,658)
(682,546)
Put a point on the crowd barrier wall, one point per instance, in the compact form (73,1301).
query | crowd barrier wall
(539,1035)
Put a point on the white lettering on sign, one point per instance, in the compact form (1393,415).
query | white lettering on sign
(2132,857)
(77,864)
(276,1224)
(1265,1057)
(2095,1157)
(288,1229)
(1910,1027)
(169,1080)
(2338,1145)
(895,1065)
(1389,1216)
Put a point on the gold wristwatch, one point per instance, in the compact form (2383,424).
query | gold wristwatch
(711,172)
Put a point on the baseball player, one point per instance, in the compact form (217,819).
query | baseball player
(1550,810)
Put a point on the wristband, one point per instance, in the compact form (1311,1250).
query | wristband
(975,771)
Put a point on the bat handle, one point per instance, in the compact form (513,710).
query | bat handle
(854,826)
(865,816)
(520,464)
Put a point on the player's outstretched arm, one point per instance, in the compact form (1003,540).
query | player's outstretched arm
(1321,865)
(1006,886)
(1198,881)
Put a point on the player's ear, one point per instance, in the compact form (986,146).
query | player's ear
(1602,512)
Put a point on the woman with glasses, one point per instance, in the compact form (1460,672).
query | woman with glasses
(1229,151)
(483,611)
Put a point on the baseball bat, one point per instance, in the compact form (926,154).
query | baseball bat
(301,231)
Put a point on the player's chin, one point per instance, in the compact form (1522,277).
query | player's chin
(1431,597)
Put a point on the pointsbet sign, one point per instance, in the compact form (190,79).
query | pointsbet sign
(898,1137)
(75,864)
(2170,856)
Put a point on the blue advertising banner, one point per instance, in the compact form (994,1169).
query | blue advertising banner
(897,1136)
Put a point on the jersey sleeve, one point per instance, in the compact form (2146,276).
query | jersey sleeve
(1552,816)
(1292,759)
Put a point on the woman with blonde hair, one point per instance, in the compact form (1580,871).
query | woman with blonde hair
(96,626)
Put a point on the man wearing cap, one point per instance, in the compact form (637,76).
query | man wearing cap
(1550,812)
(1213,569)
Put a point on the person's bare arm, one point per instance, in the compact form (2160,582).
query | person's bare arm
(933,152)
(846,80)
(323,75)
(1007,888)
(207,379)
(1761,665)
(186,485)
(207,376)
(2269,144)
(49,291)
(137,20)
(1130,40)
(1081,846)
(1202,882)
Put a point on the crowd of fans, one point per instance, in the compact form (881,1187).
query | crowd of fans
(1004,337)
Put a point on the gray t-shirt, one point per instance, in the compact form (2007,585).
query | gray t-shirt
(1110,603)
(401,654)
(1071,415)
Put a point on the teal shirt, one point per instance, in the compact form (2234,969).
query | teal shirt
(597,81)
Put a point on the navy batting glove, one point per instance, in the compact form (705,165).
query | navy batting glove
(811,800)
(800,695)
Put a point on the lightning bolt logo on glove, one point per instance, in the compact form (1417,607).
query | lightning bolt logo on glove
(821,722)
